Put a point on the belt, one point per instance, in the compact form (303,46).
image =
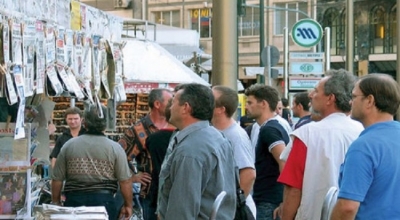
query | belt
(98,191)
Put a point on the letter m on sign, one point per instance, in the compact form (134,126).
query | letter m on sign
(306,33)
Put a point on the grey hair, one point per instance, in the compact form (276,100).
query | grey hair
(156,95)
(340,83)
(93,121)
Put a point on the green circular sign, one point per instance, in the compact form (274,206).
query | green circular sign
(307,33)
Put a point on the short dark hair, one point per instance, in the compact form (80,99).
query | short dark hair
(303,99)
(200,98)
(73,111)
(384,89)
(228,98)
(168,110)
(263,92)
(156,95)
(340,83)
(93,121)
(285,102)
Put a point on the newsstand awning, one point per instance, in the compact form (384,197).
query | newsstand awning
(147,66)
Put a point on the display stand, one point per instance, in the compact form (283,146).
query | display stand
(15,172)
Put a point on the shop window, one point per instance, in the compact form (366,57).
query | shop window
(378,25)
(331,19)
(287,14)
(249,24)
(200,20)
(169,18)
(393,31)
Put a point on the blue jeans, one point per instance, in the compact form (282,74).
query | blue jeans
(75,199)
(265,210)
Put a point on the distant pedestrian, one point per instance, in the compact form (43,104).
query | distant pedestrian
(301,108)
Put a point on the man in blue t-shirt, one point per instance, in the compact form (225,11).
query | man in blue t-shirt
(272,139)
(370,175)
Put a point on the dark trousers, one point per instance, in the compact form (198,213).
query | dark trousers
(149,212)
(75,199)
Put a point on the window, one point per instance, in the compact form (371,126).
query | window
(287,14)
(169,18)
(249,24)
(200,20)
(377,28)
(331,19)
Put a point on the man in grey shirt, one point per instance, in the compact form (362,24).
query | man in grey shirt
(201,164)
(226,102)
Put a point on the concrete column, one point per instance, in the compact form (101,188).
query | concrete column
(350,36)
(224,43)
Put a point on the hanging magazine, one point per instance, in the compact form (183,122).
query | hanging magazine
(95,61)
(29,35)
(9,88)
(40,57)
(69,46)
(60,45)
(16,71)
(5,43)
(53,84)
(50,45)
(16,41)
(119,89)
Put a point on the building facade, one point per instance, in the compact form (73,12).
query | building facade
(374,27)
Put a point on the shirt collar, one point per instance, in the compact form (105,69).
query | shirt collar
(190,129)
(148,122)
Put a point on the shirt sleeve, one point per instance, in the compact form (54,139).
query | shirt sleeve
(57,148)
(293,171)
(356,176)
(127,142)
(271,137)
(121,166)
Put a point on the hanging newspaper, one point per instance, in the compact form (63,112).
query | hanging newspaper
(16,41)
(60,45)
(9,88)
(119,90)
(29,37)
(5,43)
(69,47)
(53,84)
(78,55)
(87,69)
(63,13)
(95,61)
(104,87)
(76,88)
(19,83)
(40,57)
(50,45)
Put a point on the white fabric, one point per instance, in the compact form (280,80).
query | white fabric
(327,142)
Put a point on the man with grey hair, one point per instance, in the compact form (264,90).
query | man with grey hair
(92,168)
(312,167)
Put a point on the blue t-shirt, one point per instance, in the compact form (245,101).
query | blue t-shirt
(266,188)
(371,172)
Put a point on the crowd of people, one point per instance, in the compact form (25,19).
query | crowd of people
(189,149)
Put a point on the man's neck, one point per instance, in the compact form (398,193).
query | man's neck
(222,123)
(75,131)
(264,117)
(305,113)
(158,120)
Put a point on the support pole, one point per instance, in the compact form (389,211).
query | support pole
(350,36)
(224,43)
(262,37)
(398,52)
(327,48)
(286,61)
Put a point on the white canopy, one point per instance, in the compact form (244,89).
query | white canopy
(148,62)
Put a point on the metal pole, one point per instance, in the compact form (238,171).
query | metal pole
(224,43)
(398,53)
(286,60)
(72,102)
(327,48)
(267,25)
(262,37)
(350,36)
(269,65)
